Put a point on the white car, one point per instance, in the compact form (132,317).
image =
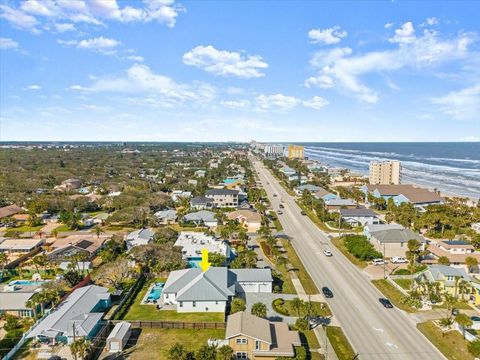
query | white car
(378,262)
(398,260)
(327,253)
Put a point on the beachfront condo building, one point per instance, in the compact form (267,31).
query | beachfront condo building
(274,150)
(385,172)
(295,152)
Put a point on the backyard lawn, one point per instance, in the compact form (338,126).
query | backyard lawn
(392,294)
(155,343)
(451,344)
(150,312)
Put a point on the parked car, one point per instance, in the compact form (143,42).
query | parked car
(279,212)
(327,253)
(386,303)
(398,260)
(327,292)
(378,262)
(303,213)
(281,206)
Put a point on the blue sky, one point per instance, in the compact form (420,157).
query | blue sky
(159,70)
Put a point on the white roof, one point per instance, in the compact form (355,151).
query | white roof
(192,244)
(119,331)
(20,244)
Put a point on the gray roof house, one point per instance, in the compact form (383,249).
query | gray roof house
(166,216)
(202,217)
(201,203)
(359,216)
(193,290)
(391,238)
(139,237)
(445,274)
(309,187)
(81,312)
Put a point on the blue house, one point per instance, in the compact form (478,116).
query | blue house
(403,193)
(79,315)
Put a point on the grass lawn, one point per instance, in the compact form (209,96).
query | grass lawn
(338,242)
(319,309)
(23,229)
(462,305)
(451,344)
(404,283)
(287,284)
(340,344)
(393,294)
(63,228)
(150,312)
(155,343)
(312,342)
(304,277)
(276,222)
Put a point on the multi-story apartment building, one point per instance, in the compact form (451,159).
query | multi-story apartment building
(223,197)
(296,152)
(274,150)
(385,172)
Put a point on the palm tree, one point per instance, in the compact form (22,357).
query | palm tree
(297,305)
(83,347)
(39,261)
(250,259)
(32,221)
(413,247)
(32,303)
(471,262)
(449,301)
(3,262)
(98,230)
(464,321)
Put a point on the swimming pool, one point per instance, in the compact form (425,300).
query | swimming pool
(194,262)
(156,291)
(26,283)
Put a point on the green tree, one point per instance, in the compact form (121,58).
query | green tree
(443,260)
(225,352)
(3,262)
(54,233)
(471,263)
(464,321)
(302,324)
(217,259)
(98,230)
(206,352)
(413,248)
(238,304)
(259,309)
(297,305)
(178,352)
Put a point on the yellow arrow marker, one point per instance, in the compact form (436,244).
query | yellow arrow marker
(204,264)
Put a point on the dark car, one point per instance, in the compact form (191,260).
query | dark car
(386,303)
(303,213)
(281,206)
(327,292)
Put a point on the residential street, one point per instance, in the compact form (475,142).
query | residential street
(374,332)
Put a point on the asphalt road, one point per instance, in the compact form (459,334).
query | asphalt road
(374,332)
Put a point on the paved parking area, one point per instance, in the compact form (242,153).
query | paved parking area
(267,299)
(376,271)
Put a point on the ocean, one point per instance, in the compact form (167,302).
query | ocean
(452,168)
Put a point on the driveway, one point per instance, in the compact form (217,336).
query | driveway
(267,299)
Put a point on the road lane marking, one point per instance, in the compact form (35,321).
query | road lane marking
(378,329)
(389,344)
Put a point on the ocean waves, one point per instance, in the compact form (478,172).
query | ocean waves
(451,175)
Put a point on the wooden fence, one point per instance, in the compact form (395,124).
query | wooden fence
(147,324)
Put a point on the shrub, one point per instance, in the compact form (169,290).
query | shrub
(277,305)
(361,248)
(402,272)
(238,304)
(411,301)
(301,324)
(474,348)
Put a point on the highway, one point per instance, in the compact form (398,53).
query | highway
(374,331)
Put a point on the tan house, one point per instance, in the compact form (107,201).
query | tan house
(249,219)
(252,337)
(455,251)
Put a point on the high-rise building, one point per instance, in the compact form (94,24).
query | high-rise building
(385,172)
(295,152)
(272,150)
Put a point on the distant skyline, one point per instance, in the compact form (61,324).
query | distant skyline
(164,70)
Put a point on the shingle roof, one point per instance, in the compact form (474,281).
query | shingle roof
(200,200)
(340,202)
(358,212)
(416,195)
(437,271)
(243,323)
(9,210)
(213,192)
(166,214)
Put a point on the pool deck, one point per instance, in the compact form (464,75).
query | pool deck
(147,294)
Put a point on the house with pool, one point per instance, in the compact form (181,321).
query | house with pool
(193,290)
(15,295)
(79,315)
(192,244)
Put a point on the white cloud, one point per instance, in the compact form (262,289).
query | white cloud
(19,19)
(100,44)
(64,27)
(405,34)
(160,90)
(6,44)
(236,104)
(136,58)
(276,102)
(460,104)
(225,63)
(33,87)
(327,36)
(389,25)
(30,13)
(316,103)
(339,67)
(431,21)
